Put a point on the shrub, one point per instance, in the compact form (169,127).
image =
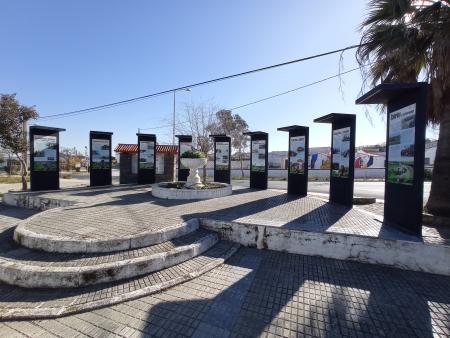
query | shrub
(193,154)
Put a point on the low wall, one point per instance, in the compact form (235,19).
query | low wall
(33,201)
(401,254)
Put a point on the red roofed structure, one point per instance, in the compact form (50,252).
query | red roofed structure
(133,148)
(166,158)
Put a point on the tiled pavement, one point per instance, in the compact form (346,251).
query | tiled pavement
(271,294)
(10,250)
(262,293)
(55,301)
(430,234)
(10,216)
(124,212)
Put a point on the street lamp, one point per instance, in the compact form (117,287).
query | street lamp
(173,122)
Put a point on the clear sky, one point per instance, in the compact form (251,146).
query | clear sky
(62,56)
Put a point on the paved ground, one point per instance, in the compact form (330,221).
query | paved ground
(271,294)
(259,293)
(123,211)
(9,216)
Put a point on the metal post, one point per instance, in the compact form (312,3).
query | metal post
(173,125)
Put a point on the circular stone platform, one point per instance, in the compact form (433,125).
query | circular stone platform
(132,218)
(175,191)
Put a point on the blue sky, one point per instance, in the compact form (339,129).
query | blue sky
(62,56)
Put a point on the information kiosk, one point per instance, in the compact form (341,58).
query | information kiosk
(184,144)
(222,158)
(297,159)
(342,168)
(405,151)
(100,158)
(44,158)
(258,159)
(146,158)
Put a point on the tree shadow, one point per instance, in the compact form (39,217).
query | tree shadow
(237,211)
(95,191)
(271,211)
(319,219)
(283,294)
(145,197)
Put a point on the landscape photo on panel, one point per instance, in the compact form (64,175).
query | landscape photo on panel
(341,153)
(100,154)
(184,147)
(146,154)
(297,160)
(222,155)
(258,155)
(44,152)
(401,144)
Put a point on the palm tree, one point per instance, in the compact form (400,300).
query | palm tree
(407,41)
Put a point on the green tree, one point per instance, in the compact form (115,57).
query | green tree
(13,120)
(404,40)
(234,126)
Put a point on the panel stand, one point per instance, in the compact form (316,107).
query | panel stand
(146,158)
(184,144)
(222,158)
(298,154)
(259,146)
(44,158)
(342,168)
(100,158)
(405,151)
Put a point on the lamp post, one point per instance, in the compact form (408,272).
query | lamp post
(174,106)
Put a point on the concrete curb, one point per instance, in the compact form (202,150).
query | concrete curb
(190,194)
(407,255)
(42,312)
(32,276)
(49,243)
(34,200)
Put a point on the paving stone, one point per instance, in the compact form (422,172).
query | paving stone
(285,295)
(118,214)
(20,302)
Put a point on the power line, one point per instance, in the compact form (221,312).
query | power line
(269,97)
(295,89)
(144,97)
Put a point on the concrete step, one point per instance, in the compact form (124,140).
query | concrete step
(19,303)
(68,243)
(36,269)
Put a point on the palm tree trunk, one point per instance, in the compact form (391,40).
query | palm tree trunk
(439,202)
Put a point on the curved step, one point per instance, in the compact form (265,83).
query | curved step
(34,269)
(59,243)
(18,303)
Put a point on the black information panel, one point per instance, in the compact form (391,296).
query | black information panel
(146,158)
(298,159)
(44,158)
(100,158)
(342,169)
(405,151)
(222,158)
(184,144)
(259,146)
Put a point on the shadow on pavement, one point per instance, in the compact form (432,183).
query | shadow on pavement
(267,292)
